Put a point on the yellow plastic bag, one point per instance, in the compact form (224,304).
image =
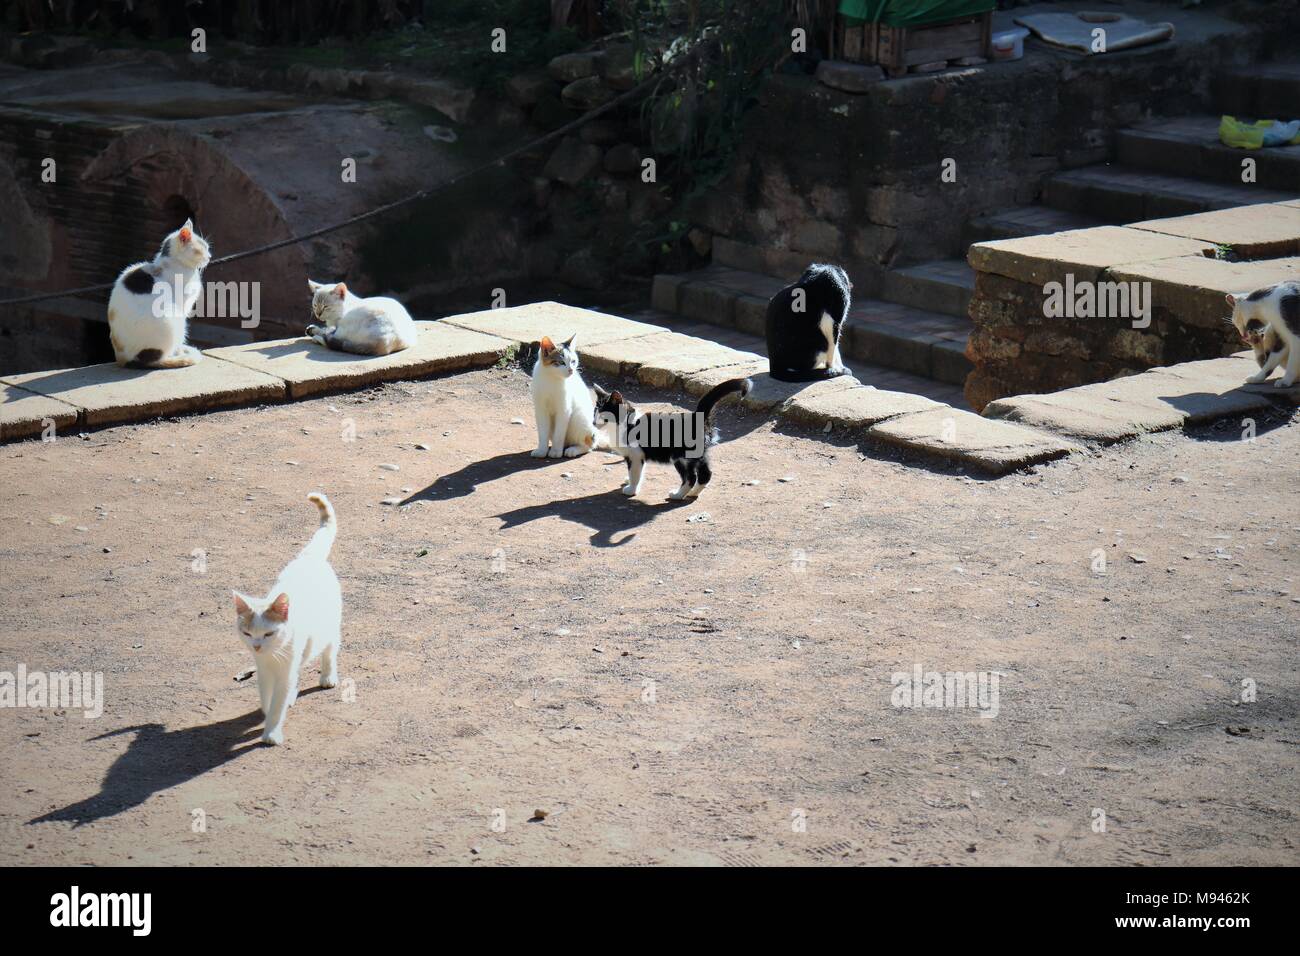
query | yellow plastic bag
(1241,135)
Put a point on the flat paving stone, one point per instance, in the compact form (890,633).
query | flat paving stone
(529,323)
(768,393)
(1193,287)
(111,395)
(1085,253)
(24,414)
(1242,227)
(1156,400)
(994,447)
(856,407)
(662,359)
(310,369)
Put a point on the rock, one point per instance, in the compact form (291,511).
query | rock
(573,66)
(701,241)
(388,466)
(573,161)
(525,89)
(586,93)
(848,77)
(932,67)
(623,158)
(584,270)
(444,96)
(619,67)
(601,132)
(550,113)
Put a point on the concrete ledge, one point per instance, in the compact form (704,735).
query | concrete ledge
(769,394)
(1271,229)
(528,323)
(110,395)
(1084,253)
(1193,287)
(856,407)
(990,446)
(24,414)
(1158,400)
(662,359)
(310,369)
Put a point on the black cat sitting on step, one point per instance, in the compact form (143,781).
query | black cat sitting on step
(804,321)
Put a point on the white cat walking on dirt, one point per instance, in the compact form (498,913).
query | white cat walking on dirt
(300,619)
(562,403)
(151,302)
(348,323)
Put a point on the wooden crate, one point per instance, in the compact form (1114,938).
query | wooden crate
(897,48)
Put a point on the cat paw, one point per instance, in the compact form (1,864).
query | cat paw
(1256,378)
(676,495)
(629,491)
(538,453)
(573,451)
(329,680)
(1284,383)
(555,452)
(273,738)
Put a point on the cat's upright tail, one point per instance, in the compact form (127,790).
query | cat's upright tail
(740,386)
(321,542)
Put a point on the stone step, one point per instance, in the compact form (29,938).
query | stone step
(1020,221)
(944,285)
(1120,194)
(918,341)
(1190,146)
(1259,91)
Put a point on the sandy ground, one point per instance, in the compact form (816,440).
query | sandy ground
(521,637)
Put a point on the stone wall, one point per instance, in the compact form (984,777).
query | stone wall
(1021,346)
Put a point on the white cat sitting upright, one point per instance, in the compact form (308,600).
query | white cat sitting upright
(300,619)
(562,403)
(347,323)
(147,326)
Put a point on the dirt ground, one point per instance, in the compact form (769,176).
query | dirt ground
(520,637)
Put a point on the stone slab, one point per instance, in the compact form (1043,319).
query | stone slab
(995,447)
(767,393)
(528,323)
(111,395)
(1156,400)
(24,414)
(1256,229)
(1085,253)
(662,359)
(857,407)
(697,383)
(1193,287)
(311,369)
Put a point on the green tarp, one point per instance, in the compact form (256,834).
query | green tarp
(912,13)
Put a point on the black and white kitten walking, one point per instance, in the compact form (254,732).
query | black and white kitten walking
(680,438)
(804,321)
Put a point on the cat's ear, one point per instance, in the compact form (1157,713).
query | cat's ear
(617,397)
(279,609)
(187,231)
(1232,300)
(569,344)
(547,344)
(241,604)
(341,291)
(315,286)
(600,392)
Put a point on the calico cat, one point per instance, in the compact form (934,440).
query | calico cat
(804,322)
(148,327)
(301,618)
(1273,309)
(680,438)
(374,326)
(562,403)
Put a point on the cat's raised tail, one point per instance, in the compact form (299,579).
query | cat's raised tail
(321,542)
(740,386)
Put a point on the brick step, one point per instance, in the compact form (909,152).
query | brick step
(1189,146)
(1020,221)
(917,341)
(1120,194)
(944,285)
(1259,91)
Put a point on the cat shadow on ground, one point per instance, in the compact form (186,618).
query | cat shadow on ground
(606,513)
(1242,425)
(464,482)
(158,759)
(312,350)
